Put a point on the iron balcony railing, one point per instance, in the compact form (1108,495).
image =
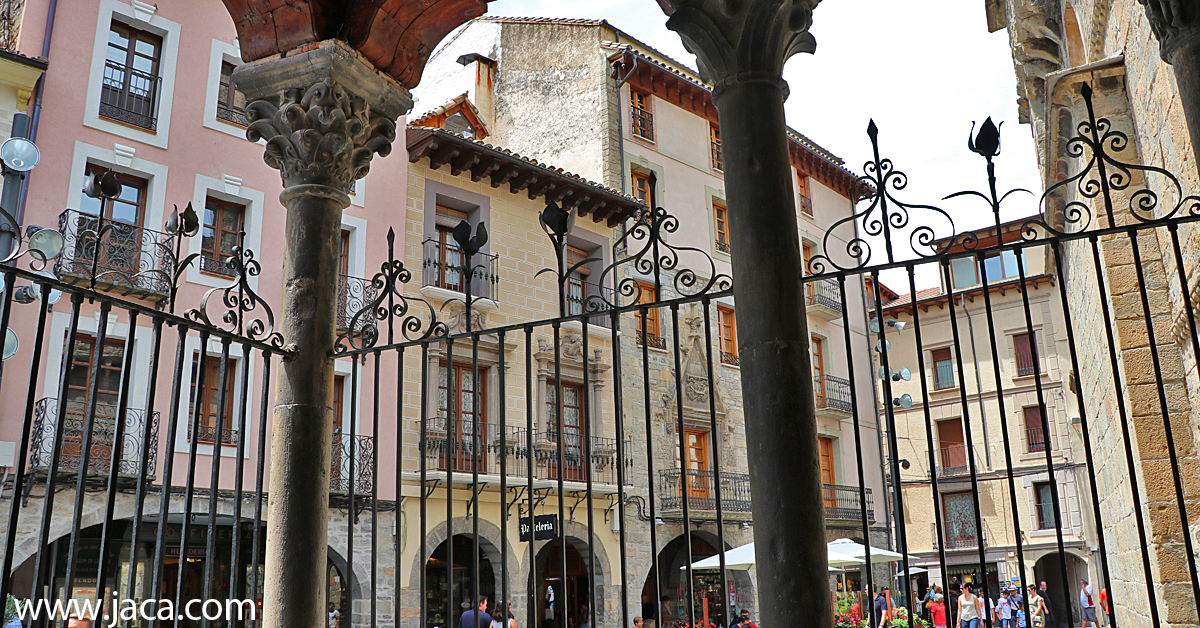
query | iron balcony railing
(217,266)
(1037,439)
(730,358)
(806,205)
(342,474)
(833,393)
(129,95)
(1025,364)
(117,256)
(953,459)
(959,535)
(575,457)
(701,490)
(642,121)
(208,434)
(723,247)
(843,502)
(943,375)
(102,449)
(652,339)
(235,116)
(823,293)
(10,24)
(353,294)
(1046,516)
(449,445)
(442,268)
(717,160)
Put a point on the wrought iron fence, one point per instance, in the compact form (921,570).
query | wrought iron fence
(224,268)
(130,95)
(352,464)
(845,502)
(209,434)
(823,294)
(729,358)
(112,255)
(701,486)
(642,122)
(583,457)
(353,294)
(1036,438)
(1025,364)
(718,163)
(233,115)
(953,459)
(449,444)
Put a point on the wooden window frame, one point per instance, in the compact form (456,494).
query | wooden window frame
(1039,507)
(648,295)
(127,181)
(212,363)
(1035,436)
(714,140)
(119,97)
(637,178)
(228,109)
(938,382)
(727,330)
(211,262)
(642,129)
(803,186)
(1026,365)
(721,226)
(461,458)
(86,391)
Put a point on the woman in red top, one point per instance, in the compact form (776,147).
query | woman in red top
(937,610)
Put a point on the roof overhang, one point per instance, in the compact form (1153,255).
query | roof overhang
(501,166)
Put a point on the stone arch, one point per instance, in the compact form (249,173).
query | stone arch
(490,543)
(576,533)
(1076,51)
(356,583)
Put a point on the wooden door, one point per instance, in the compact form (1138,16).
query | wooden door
(825,447)
(463,448)
(699,478)
(574,431)
(818,369)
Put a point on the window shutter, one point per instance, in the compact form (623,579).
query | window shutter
(447,217)
(574,256)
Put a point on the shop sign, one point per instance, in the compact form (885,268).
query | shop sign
(545,527)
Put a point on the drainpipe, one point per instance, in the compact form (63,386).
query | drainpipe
(37,102)
(987,449)
(887,511)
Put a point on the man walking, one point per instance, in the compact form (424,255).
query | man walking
(1088,602)
(476,617)
(1045,595)
(881,608)
(1003,612)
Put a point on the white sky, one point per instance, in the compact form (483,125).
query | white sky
(924,71)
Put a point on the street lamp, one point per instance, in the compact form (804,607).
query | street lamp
(18,154)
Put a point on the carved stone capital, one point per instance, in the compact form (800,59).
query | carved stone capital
(1176,24)
(321,135)
(742,40)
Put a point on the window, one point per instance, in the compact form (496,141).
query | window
(641,120)
(458,123)
(1046,518)
(222,229)
(699,478)
(574,429)
(650,334)
(459,426)
(721,218)
(953,451)
(727,326)
(714,138)
(108,379)
(943,369)
(131,82)
(1033,429)
(1001,265)
(964,272)
(1023,349)
(806,251)
(211,400)
(577,285)
(641,187)
(120,238)
(959,520)
(825,445)
(818,357)
(231,103)
(447,258)
(805,200)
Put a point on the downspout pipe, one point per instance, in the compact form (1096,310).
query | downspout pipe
(47,37)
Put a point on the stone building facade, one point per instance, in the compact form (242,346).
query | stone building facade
(1057,47)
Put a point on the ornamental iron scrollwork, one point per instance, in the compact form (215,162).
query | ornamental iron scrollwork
(240,300)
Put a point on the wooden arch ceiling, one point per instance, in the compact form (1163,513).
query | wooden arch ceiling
(396,36)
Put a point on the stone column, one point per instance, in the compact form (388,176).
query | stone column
(741,48)
(323,113)
(1176,24)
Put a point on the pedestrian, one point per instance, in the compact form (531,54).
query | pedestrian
(1104,603)
(937,610)
(970,608)
(503,616)
(1088,604)
(637,621)
(1045,595)
(1003,613)
(746,623)
(585,620)
(649,608)
(665,614)
(476,617)
(952,595)
(334,615)
(881,608)
(1037,608)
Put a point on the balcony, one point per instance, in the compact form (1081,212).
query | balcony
(832,396)
(450,447)
(130,96)
(584,297)
(823,299)
(232,115)
(118,256)
(363,455)
(654,340)
(1025,364)
(1036,438)
(722,247)
(843,502)
(730,358)
(217,267)
(104,430)
(208,433)
(442,267)
(959,535)
(806,205)
(953,458)
(353,294)
(718,162)
(702,491)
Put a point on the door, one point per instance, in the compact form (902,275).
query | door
(699,478)
(953,450)
(575,464)
(818,369)
(462,448)
(828,479)
(107,391)
(109,232)
(339,468)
